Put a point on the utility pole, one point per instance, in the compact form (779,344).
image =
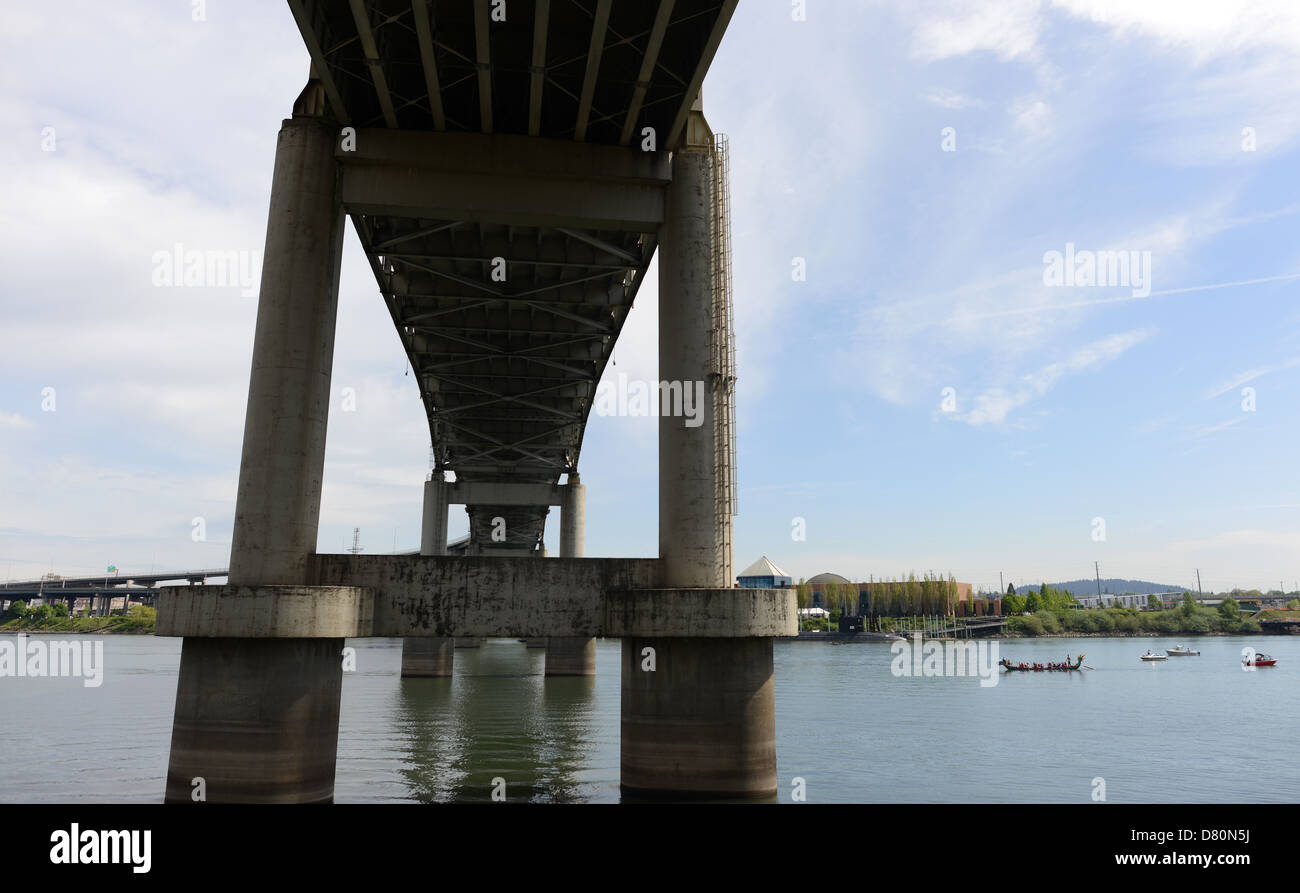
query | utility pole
(1198,581)
(1002,588)
(1097,569)
(356,541)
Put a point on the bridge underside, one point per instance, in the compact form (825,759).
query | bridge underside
(582,70)
(508,311)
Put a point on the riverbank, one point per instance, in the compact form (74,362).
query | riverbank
(1263,630)
(140,622)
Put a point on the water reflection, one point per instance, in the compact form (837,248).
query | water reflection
(498,717)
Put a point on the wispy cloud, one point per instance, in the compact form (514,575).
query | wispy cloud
(1119,299)
(1222,426)
(948,99)
(1249,376)
(992,407)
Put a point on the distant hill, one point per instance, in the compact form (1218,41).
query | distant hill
(1109,586)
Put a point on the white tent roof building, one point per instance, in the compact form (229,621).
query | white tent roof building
(763,574)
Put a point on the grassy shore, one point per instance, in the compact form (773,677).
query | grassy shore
(139,621)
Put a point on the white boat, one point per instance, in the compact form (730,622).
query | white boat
(1182,651)
(1151,655)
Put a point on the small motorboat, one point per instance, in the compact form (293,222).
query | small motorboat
(1151,655)
(1182,651)
(1259,660)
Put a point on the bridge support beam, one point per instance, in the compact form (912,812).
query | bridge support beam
(257,719)
(568,656)
(698,715)
(431,657)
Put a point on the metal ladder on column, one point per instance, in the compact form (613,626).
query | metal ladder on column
(723,347)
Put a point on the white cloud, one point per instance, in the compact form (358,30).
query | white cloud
(1206,28)
(1033,116)
(1009,30)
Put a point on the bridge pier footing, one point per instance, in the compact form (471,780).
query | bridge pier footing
(428,658)
(571,656)
(702,722)
(257,719)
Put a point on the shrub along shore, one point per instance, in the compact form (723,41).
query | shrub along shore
(139,620)
(1188,619)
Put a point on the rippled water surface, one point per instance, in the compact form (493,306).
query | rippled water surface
(1193,729)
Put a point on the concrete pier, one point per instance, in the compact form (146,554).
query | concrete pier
(428,658)
(257,719)
(569,656)
(431,657)
(573,519)
(698,715)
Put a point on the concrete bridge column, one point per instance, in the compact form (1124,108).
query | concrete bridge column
(257,718)
(698,716)
(569,655)
(431,657)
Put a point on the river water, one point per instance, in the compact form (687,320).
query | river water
(1192,729)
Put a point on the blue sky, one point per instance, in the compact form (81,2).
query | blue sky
(1109,126)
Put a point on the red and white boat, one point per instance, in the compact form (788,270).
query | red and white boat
(1260,659)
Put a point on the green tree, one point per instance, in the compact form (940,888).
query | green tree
(18,609)
(61,609)
(803,594)
(831,596)
(1153,603)
(1011,589)
(1033,603)
(1230,610)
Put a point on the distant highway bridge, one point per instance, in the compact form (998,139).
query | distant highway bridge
(100,592)
(104,581)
